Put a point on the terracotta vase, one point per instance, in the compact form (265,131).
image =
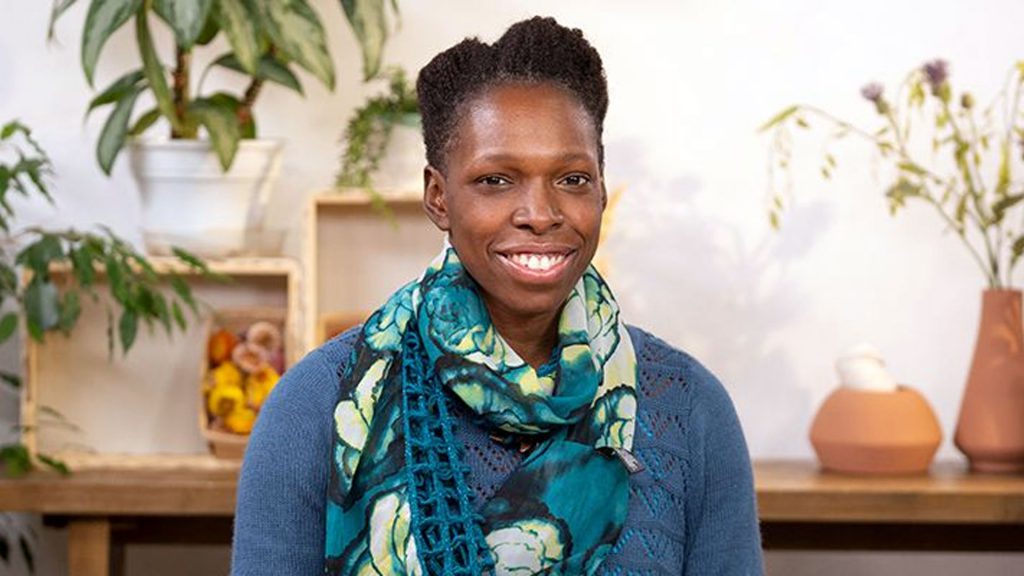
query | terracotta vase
(990,430)
(871,432)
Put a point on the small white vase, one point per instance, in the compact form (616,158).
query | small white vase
(188,201)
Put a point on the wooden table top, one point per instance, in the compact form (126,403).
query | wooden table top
(787,491)
(798,491)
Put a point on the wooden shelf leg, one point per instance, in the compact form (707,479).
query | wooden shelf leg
(89,547)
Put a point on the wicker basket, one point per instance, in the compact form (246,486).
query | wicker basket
(225,444)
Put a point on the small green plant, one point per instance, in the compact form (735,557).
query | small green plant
(30,292)
(961,163)
(369,131)
(11,533)
(266,39)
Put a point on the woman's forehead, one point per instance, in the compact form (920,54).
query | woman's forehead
(517,119)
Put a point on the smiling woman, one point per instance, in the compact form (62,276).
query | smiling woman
(497,416)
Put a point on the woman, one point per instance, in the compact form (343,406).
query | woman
(496,415)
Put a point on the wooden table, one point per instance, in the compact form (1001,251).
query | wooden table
(800,508)
(106,509)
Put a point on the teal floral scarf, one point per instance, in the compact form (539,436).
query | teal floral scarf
(398,502)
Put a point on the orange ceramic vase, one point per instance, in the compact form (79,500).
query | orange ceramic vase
(990,430)
(870,432)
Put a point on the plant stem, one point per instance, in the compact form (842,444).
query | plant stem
(248,101)
(182,71)
(976,191)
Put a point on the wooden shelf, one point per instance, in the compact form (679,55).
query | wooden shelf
(357,197)
(139,411)
(797,491)
(355,257)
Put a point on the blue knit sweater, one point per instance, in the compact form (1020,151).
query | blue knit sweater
(691,511)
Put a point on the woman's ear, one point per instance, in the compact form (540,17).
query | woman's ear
(434,201)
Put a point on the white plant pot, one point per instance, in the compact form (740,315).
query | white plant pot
(401,168)
(189,202)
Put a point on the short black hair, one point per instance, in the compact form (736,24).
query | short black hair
(534,51)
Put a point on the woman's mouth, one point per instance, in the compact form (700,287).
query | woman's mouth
(536,266)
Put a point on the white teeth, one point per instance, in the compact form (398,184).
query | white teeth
(540,262)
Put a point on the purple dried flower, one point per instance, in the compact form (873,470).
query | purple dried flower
(937,71)
(872,92)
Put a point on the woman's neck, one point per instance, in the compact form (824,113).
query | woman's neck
(533,338)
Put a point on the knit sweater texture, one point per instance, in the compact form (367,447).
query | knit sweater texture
(691,510)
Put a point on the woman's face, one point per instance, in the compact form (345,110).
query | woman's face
(521,197)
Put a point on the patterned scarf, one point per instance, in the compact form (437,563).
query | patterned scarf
(398,501)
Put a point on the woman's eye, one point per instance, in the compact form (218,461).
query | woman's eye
(576,180)
(494,180)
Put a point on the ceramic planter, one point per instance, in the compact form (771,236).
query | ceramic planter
(990,429)
(401,167)
(876,432)
(189,202)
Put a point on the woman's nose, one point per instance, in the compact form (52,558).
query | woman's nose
(538,209)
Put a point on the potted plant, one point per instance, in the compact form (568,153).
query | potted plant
(187,200)
(383,143)
(970,181)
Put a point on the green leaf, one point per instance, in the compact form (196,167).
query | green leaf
(70,311)
(297,32)
(117,275)
(1003,204)
(115,131)
(183,291)
(11,379)
(38,255)
(8,325)
(779,118)
(912,168)
(1017,251)
(103,19)
(17,461)
(59,7)
(269,68)
(54,464)
(179,315)
(41,307)
(210,28)
(1003,184)
(185,17)
(154,71)
(221,123)
(128,327)
(369,22)
(147,119)
(82,266)
(899,192)
(8,130)
(117,90)
(163,312)
(239,25)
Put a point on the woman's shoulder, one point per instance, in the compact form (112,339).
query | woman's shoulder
(656,357)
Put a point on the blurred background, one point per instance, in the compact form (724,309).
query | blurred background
(690,250)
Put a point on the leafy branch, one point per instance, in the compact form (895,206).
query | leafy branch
(963,139)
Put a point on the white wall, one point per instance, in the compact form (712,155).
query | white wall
(692,255)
